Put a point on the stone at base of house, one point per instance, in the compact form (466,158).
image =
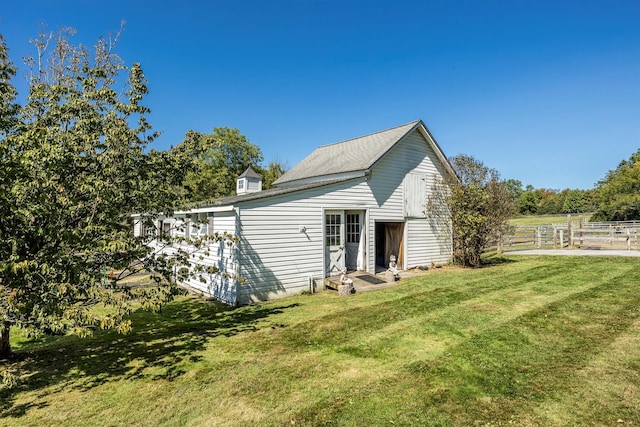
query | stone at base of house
(347,289)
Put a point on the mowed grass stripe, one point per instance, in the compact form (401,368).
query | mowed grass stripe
(610,379)
(504,373)
(420,297)
(503,363)
(509,343)
(445,313)
(368,347)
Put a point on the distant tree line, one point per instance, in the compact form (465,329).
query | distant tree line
(614,198)
(546,201)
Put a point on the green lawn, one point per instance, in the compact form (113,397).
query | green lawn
(526,341)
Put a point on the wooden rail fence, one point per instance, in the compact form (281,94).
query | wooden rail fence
(572,234)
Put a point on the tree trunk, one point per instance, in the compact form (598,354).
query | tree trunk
(5,345)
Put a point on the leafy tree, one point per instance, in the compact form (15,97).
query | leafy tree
(8,107)
(478,204)
(545,201)
(270,174)
(514,187)
(8,121)
(618,194)
(528,202)
(551,201)
(575,201)
(225,154)
(74,166)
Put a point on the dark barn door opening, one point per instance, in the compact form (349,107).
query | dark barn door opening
(389,241)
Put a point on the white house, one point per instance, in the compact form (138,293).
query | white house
(350,204)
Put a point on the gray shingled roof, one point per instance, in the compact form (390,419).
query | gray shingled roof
(250,173)
(356,154)
(231,200)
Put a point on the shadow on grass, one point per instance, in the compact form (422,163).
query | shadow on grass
(158,348)
(495,259)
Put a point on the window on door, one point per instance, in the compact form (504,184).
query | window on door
(353,228)
(332,229)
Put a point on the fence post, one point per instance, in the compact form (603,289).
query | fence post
(555,238)
(561,239)
(570,231)
(610,235)
(580,229)
(628,239)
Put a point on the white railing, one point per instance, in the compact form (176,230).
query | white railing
(602,235)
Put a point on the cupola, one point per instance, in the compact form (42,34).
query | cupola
(249,182)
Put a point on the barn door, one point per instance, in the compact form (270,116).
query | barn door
(334,242)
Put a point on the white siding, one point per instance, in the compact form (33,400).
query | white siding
(411,156)
(276,257)
(426,244)
(219,285)
(224,222)
(222,285)
(254,185)
(137,226)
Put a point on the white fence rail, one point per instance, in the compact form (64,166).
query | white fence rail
(573,234)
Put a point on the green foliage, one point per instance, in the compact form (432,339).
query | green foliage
(528,203)
(542,201)
(74,166)
(514,187)
(575,201)
(219,158)
(8,108)
(271,173)
(478,204)
(618,194)
(223,156)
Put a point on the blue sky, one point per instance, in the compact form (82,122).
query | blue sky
(546,92)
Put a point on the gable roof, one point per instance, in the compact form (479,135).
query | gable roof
(354,155)
(334,163)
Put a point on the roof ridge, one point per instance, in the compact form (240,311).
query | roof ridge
(414,122)
(355,154)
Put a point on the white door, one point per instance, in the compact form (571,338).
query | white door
(334,242)
(354,245)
